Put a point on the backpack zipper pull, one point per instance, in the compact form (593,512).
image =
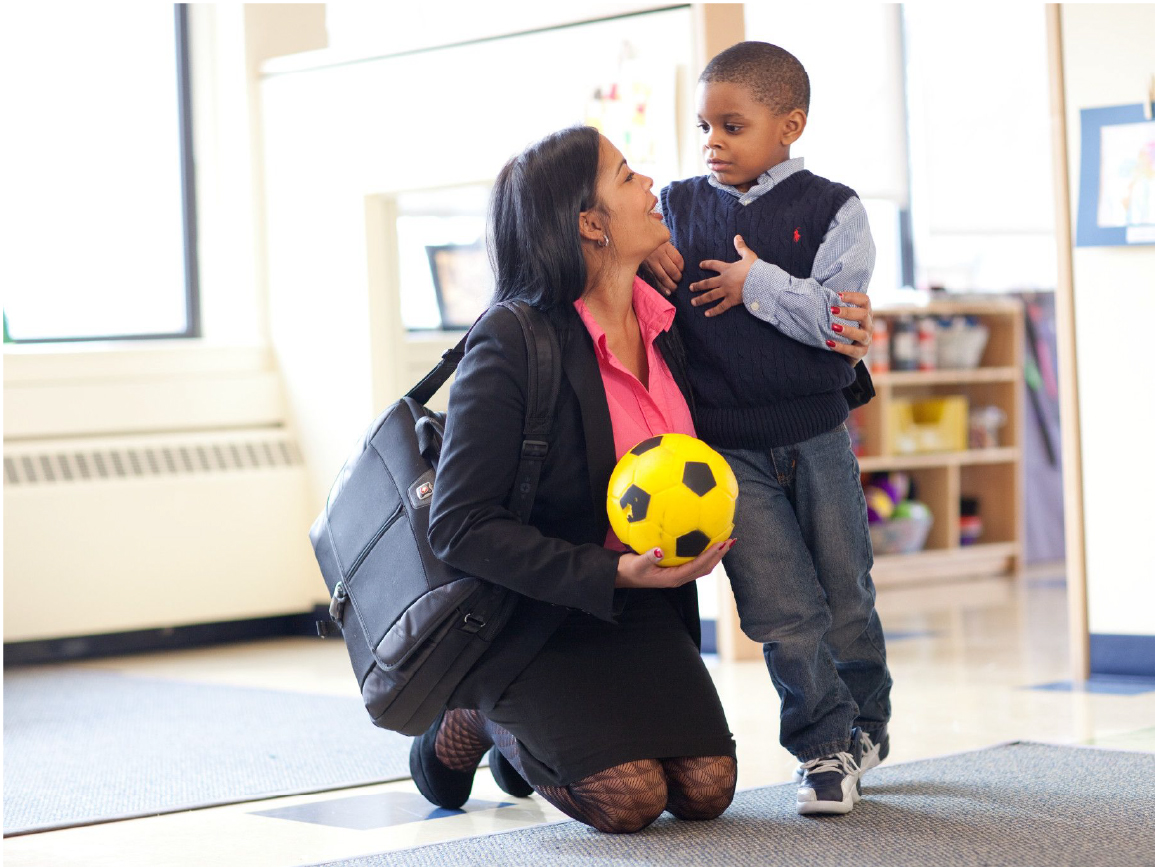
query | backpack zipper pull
(337,603)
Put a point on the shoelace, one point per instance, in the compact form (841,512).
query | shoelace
(842,763)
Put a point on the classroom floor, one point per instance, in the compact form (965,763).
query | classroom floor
(964,679)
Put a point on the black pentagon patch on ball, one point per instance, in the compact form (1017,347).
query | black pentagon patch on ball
(638,502)
(692,544)
(645,445)
(698,477)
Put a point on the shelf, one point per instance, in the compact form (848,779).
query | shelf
(945,377)
(876,463)
(945,574)
(959,306)
(962,593)
(945,564)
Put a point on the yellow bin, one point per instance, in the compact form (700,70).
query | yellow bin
(933,424)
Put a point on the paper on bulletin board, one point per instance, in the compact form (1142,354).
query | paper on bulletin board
(1116,177)
(636,111)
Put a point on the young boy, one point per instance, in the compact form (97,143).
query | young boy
(769,395)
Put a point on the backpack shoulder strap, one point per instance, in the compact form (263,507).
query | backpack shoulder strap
(436,378)
(541,398)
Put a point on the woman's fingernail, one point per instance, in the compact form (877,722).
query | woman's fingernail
(840,295)
(830,343)
(837,328)
(835,310)
(658,553)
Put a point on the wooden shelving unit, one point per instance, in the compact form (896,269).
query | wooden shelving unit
(991,475)
(945,573)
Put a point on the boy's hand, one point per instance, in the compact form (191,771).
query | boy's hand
(666,265)
(729,282)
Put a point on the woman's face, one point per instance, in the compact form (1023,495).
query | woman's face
(635,228)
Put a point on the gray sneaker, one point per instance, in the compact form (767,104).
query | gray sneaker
(873,753)
(830,783)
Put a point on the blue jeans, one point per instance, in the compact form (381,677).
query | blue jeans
(801,577)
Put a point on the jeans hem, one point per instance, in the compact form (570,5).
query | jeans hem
(823,750)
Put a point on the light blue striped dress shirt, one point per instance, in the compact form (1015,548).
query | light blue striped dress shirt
(800,307)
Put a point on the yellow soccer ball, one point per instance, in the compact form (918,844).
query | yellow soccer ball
(675,493)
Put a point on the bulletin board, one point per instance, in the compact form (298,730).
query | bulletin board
(1116,177)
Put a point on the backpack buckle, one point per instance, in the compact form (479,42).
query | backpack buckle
(534,449)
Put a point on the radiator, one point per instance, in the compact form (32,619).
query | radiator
(116,534)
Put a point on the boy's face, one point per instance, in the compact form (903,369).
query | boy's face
(741,137)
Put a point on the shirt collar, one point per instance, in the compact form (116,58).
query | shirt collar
(766,181)
(655,315)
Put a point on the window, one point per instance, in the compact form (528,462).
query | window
(97,174)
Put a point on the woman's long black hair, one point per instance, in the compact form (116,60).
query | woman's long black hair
(534,245)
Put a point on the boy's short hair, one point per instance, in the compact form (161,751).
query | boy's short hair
(773,75)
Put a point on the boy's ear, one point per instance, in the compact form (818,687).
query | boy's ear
(793,127)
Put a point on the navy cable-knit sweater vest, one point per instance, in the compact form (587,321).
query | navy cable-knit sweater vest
(755,387)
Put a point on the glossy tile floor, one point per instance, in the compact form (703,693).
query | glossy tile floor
(964,679)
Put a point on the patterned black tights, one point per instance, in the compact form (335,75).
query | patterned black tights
(618,800)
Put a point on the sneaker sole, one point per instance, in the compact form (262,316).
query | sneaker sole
(830,808)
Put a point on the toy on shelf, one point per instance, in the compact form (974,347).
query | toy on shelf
(899,524)
(985,422)
(932,424)
(970,524)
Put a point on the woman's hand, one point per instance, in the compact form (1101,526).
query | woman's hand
(861,336)
(642,570)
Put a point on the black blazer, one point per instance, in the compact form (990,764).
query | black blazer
(557,562)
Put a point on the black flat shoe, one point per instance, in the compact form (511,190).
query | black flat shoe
(440,785)
(507,777)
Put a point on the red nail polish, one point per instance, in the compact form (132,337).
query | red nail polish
(830,343)
(835,310)
(840,295)
(837,328)
(658,553)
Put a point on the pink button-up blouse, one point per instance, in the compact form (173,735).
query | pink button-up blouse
(636,412)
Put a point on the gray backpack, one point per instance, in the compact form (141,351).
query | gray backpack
(413,625)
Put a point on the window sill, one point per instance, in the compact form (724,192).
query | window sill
(48,363)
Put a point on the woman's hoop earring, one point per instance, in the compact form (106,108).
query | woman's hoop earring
(605,241)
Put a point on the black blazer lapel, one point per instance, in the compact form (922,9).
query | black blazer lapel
(580,366)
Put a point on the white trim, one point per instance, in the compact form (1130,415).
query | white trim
(53,363)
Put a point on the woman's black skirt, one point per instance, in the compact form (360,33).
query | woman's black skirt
(601,694)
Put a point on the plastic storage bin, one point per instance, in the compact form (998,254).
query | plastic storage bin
(960,342)
(933,424)
(900,535)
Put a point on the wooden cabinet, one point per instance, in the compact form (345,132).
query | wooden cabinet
(990,476)
(945,573)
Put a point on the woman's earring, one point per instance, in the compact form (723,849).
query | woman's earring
(605,241)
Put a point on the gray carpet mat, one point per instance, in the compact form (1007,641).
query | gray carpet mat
(1022,804)
(84,746)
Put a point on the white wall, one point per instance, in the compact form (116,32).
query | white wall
(340,139)
(1108,59)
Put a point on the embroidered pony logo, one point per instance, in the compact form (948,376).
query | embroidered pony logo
(797,235)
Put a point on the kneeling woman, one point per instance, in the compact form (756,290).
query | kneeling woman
(594,693)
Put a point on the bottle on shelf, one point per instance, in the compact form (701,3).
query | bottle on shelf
(878,353)
(904,344)
(927,332)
